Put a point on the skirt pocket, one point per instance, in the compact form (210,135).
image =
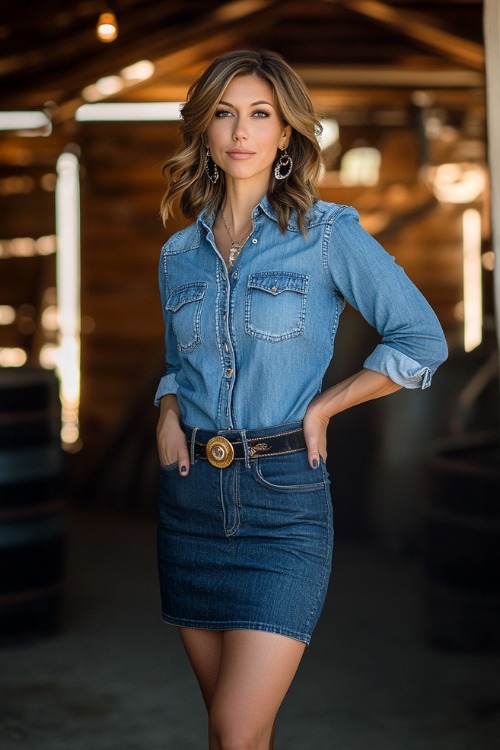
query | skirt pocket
(290,473)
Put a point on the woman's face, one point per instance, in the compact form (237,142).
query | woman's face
(247,130)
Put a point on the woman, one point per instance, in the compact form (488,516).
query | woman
(251,293)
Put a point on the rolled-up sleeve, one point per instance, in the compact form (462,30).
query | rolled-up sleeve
(168,383)
(412,341)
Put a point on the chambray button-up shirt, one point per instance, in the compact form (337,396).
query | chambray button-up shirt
(249,349)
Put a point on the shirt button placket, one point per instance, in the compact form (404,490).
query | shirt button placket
(227,357)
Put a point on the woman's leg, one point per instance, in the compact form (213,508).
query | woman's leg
(243,676)
(256,669)
(204,650)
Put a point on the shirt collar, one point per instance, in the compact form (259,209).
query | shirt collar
(206,219)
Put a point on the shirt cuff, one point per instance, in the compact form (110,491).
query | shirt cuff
(167,385)
(401,369)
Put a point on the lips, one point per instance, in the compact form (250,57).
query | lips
(239,153)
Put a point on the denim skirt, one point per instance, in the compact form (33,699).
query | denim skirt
(245,547)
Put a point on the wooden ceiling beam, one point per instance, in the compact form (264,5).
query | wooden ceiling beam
(331,99)
(378,76)
(420,28)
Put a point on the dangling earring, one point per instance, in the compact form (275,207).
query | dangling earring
(214,176)
(285,163)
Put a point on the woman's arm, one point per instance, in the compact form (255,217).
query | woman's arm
(170,438)
(171,441)
(365,385)
(412,342)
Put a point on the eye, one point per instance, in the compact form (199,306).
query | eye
(261,113)
(223,113)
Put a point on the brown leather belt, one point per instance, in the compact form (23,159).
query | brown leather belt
(222,450)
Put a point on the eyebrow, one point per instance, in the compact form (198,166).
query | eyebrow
(253,104)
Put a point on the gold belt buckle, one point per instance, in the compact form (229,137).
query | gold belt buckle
(220,452)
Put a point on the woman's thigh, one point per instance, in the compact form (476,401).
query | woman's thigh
(204,650)
(255,671)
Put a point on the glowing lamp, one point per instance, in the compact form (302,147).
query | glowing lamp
(107,27)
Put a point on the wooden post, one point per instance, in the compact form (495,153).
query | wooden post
(492,49)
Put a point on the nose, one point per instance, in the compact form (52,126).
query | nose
(239,132)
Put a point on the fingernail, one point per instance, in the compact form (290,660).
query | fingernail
(183,469)
(315,463)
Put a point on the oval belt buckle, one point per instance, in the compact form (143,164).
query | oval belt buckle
(220,452)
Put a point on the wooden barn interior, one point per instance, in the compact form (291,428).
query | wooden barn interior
(402,90)
(404,78)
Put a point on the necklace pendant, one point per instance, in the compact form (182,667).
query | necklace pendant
(236,245)
(234,251)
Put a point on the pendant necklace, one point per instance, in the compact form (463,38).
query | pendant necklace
(236,245)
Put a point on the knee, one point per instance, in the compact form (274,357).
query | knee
(230,737)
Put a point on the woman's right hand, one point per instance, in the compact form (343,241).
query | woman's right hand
(170,438)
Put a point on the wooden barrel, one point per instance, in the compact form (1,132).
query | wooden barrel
(32,526)
(462,545)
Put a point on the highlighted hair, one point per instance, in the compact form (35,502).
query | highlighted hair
(188,182)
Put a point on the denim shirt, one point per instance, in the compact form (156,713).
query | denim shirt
(249,349)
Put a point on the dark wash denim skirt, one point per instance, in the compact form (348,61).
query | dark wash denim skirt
(246,547)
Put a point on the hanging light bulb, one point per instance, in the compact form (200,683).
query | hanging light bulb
(107,26)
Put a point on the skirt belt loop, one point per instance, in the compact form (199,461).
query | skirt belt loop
(243,434)
(192,444)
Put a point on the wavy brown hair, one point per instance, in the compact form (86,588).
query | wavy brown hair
(188,182)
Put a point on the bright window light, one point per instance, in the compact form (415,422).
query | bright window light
(473,301)
(109,85)
(50,318)
(360,166)
(46,244)
(35,120)
(7,315)
(22,247)
(128,111)
(457,183)
(68,294)
(139,71)
(330,133)
(49,356)
(26,247)
(488,260)
(91,93)
(12,357)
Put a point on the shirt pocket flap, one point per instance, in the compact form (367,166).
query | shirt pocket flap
(186,293)
(276,282)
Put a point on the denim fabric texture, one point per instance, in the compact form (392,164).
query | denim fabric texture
(249,349)
(246,547)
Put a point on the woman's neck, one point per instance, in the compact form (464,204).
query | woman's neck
(239,203)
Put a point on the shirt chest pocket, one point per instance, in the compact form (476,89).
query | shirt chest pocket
(185,303)
(275,305)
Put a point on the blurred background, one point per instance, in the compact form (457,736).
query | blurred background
(89,111)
